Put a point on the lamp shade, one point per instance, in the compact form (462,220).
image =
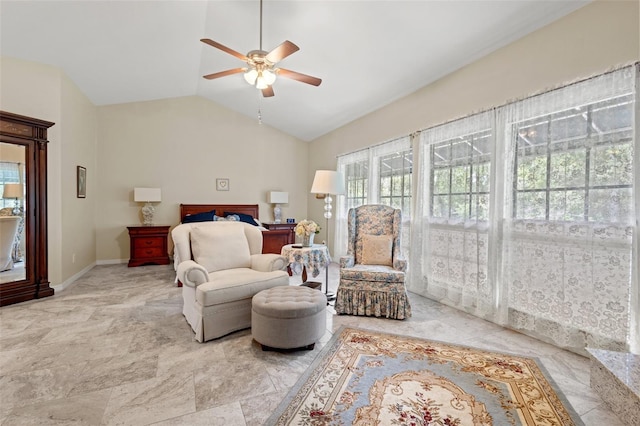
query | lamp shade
(276,197)
(328,182)
(147,195)
(13,190)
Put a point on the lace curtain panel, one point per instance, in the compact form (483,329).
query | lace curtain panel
(450,248)
(377,175)
(526,215)
(569,217)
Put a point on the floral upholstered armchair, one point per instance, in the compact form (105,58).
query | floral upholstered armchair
(372,275)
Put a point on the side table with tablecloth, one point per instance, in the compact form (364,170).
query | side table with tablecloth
(306,259)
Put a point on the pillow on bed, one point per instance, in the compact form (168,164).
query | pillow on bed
(230,218)
(246,218)
(199,217)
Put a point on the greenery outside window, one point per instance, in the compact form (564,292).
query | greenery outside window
(395,180)
(460,177)
(357,181)
(576,165)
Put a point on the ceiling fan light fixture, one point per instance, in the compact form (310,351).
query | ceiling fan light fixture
(261,82)
(260,71)
(250,76)
(269,77)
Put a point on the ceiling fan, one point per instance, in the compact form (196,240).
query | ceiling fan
(261,68)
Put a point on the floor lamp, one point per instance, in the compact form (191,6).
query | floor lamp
(327,183)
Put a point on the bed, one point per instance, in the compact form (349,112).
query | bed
(272,240)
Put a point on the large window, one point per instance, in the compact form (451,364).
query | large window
(525,214)
(460,176)
(381,174)
(357,180)
(395,180)
(576,165)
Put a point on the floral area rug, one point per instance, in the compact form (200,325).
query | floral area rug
(365,377)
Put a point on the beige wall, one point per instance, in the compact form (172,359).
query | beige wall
(33,90)
(591,40)
(79,147)
(44,92)
(182,145)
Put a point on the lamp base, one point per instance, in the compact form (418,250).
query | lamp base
(147,214)
(277,214)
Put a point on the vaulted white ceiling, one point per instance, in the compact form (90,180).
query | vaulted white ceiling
(368,53)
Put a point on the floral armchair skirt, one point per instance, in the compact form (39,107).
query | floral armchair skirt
(373,298)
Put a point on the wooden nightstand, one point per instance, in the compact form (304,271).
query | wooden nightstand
(277,236)
(148,245)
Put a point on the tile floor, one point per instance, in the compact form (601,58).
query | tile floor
(114,348)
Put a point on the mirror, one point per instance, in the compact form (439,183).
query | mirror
(23,153)
(12,208)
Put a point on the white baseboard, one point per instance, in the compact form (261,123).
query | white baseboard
(66,283)
(111,261)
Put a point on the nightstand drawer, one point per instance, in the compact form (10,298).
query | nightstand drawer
(148,252)
(148,242)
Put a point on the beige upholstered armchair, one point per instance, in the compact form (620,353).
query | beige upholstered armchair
(372,275)
(221,269)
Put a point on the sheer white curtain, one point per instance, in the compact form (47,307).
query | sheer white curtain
(568,214)
(10,173)
(362,176)
(451,231)
(635,286)
(354,166)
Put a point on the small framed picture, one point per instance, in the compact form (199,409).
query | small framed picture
(222,184)
(81,178)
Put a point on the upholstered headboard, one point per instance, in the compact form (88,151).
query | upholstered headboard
(250,209)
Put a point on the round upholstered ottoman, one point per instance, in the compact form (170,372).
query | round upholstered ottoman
(288,317)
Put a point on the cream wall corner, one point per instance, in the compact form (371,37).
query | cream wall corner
(182,145)
(591,40)
(79,148)
(44,92)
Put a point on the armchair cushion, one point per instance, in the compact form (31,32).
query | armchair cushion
(376,250)
(381,273)
(237,284)
(221,248)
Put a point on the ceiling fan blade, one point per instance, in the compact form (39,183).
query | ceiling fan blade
(224,73)
(314,81)
(281,52)
(224,48)
(268,92)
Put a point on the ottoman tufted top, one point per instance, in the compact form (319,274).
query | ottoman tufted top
(289,302)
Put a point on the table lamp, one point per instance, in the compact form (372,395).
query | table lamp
(148,196)
(278,198)
(328,182)
(15,191)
